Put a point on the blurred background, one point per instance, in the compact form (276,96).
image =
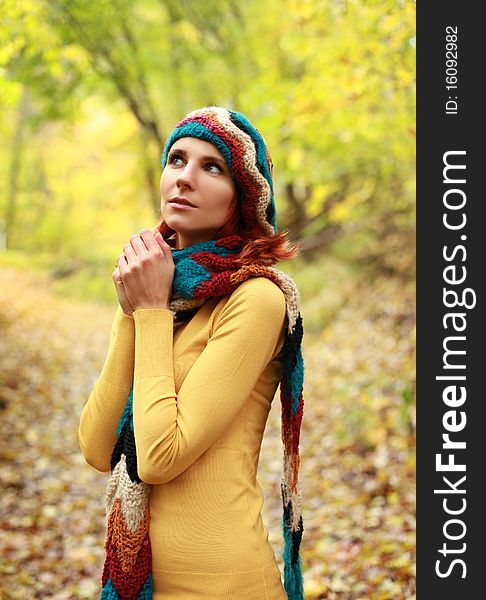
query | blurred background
(89,92)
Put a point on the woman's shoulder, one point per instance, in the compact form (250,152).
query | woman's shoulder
(260,287)
(259,297)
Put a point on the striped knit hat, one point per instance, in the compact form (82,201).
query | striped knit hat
(246,154)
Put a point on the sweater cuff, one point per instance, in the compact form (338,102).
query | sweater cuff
(124,328)
(124,320)
(154,328)
(120,310)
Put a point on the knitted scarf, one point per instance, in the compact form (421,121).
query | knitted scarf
(205,270)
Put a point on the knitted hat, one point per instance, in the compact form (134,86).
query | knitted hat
(244,151)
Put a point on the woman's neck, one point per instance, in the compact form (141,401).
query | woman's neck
(180,243)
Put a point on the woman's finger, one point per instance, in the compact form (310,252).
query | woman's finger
(122,263)
(138,245)
(148,239)
(160,240)
(166,249)
(129,252)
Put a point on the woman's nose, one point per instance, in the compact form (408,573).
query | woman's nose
(185,177)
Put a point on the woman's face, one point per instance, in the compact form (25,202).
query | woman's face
(197,173)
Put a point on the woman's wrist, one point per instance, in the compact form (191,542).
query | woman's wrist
(151,307)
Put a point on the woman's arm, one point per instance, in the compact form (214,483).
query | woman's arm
(103,410)
(172,431)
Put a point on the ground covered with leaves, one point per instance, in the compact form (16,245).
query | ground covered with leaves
(357,445)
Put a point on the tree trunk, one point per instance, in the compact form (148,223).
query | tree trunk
(14,169)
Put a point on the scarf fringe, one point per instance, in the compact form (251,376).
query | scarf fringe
(292,529)
(293,583)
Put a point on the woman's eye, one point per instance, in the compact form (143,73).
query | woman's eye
(174,157)
(218,169)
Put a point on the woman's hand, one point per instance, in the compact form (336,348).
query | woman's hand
(147,270)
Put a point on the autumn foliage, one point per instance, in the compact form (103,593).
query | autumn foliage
(357,444)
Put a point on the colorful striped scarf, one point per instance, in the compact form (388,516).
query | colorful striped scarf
(202,271)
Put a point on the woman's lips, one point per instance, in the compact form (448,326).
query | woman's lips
(181,206)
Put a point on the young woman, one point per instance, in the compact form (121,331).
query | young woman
(205,331)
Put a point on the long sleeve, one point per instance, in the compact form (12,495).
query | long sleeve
(102,411)
(174,430)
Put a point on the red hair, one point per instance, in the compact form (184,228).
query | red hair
(266,250)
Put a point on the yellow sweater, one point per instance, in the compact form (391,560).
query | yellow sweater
(202,393)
